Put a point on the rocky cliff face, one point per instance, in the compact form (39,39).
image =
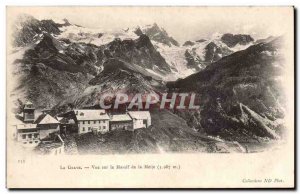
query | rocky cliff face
(157,34)
(54,70)
(232,40)
(46,87)
(203,52)
(57,55)
(140,52)
(117,77)
(241,94)
(27,29)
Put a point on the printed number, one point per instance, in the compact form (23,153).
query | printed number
(21,161)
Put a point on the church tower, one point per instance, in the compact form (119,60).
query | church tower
(28,112)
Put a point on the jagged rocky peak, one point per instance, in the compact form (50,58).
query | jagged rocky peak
(232,40)
(213,52)
(28,30)
(66,22)
(48,43)
(144,40)
(157,34)
(189,43)
(139,51)
(24,30)
(138,31)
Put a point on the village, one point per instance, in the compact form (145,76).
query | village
(46,133)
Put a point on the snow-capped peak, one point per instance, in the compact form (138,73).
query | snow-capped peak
(95,36)
(215,36)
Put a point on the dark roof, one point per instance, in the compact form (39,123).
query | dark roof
(39,119)
(19,118)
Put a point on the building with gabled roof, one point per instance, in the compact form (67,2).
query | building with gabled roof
(46,119)
(91,120)
(27,134)
(120,121)
(141,119)
(120,117)
(47,125)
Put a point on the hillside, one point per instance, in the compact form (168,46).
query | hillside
(119,77)
(169,133)
(241,94)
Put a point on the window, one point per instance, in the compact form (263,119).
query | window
(83,129)
(30,136)
(88,122)
(30,142)
(82,122)
(25,142)
(23,136)
(104,127)
(36,142)
(35,135)
(95,122)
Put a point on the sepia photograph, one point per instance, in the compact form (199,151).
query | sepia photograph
(119,97)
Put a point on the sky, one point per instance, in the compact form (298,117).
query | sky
(183,23)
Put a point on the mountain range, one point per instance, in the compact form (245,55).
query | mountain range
(59,64)
(240,94)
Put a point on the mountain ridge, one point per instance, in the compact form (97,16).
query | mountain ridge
(240,94)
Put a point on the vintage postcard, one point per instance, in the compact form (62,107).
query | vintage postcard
(150,97)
